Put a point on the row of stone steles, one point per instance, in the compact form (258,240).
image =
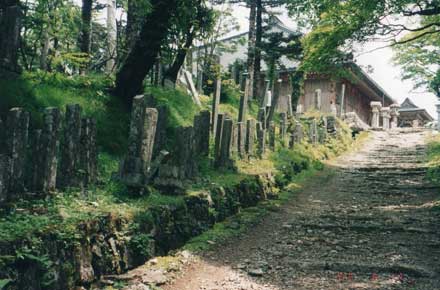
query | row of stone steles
(36,162)
(139,167)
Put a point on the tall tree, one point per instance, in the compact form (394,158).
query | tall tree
(251,46)
(257,49)
(111,35)
(86,26)
(142,56)
(193,20)
(420,58)
(9,34)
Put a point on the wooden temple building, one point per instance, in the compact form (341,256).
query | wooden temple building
(412,116)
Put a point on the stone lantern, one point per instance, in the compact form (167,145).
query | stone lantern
(375,109)
(394,112)
(385,112)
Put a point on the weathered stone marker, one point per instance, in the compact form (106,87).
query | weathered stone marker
(234,139)
(17,125)
(272,135)
(70,150)
(184,153)
(262,116)
(313,132)
(299,133)
(215,104)
(142,132)
(241,142)
(331,124)
(224,159)
(283,128)
(201,133)
(218,136)
(375,109)
(4,177)
(50,139)
(88,156)
(261,136)
(250,136)
(35,160)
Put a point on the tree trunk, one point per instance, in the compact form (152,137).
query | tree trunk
(251,47)
(141,58)
(86,29)
(111,36)
(173,71)
(44,49)
(258,37)
(10,14)
(135,18)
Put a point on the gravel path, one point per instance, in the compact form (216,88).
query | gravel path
(367,223)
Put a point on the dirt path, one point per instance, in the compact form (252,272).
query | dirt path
(367,224)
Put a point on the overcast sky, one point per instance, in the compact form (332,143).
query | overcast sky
(386,74)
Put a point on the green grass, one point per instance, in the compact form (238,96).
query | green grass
(35,91)
(434,159)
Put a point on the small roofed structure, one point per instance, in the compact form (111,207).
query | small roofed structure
(411,115)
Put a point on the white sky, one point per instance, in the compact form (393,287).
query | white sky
(385,73)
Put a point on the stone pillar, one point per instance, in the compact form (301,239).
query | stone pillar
(244,103)
(218,136)
(292,140)
(250,137)
(375,119)
(234,139)
(215,104)
(272,135)
(261,136)
(70,150)
(141,137)
(35,161)
(4,177)
(331,124)
(224,159)
(313,132)
(201,132)
(394,112)
(385,112)
(283,128)
(299,134)
(160,139)
(184,152)
(17,125)
(262,116)
(88,155)
(50,139)
(241,142)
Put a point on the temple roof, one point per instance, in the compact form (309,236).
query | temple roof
(408,108)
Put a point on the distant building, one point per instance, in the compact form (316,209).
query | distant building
(321,92)
(413,116)
(351,95)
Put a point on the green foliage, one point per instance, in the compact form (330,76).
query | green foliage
(434,160)
(291,162)
(337,25)
(419,58)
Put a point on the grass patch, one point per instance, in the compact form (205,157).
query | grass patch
(35,91)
